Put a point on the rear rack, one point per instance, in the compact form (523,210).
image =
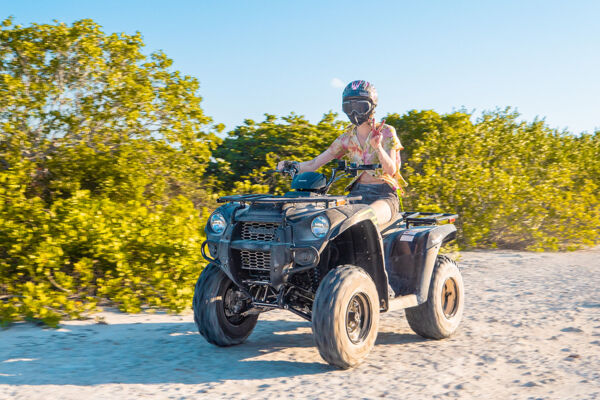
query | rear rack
(424,218)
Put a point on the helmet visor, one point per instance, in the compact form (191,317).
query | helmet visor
(356,106)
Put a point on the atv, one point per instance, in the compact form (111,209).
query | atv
(326,260)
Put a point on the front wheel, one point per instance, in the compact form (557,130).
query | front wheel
(345,316)
(440,315)
(218,309)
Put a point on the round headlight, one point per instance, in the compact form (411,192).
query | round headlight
(217,223)
(320,226)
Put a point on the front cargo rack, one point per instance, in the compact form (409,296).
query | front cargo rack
(269,198)
(415,218)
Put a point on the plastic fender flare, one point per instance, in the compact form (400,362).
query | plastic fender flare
(435,238)
(440,235)
(377,271)
(352,218)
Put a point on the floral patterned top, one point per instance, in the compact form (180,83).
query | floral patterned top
(347,145)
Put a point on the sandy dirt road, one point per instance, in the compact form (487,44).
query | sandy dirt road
(531,330)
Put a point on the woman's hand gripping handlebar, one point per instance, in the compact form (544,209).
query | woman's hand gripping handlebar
(291,168)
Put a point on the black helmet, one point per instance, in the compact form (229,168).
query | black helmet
(359,101)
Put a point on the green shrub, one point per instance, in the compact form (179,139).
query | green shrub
(102,153)
(60,262)
(514,184)
(106,199)
(243,159)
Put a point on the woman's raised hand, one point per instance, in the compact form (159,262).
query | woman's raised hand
(375,139)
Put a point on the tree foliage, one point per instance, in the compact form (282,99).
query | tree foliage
(108,170)
(60,261)
(72,94)
(243,160)
(514,184)
(101,150)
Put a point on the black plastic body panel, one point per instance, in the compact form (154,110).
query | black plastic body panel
(410,257)
(356,222)
(402,259)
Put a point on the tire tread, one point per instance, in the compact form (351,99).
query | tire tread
(205,316)
(328,338)
(423,319)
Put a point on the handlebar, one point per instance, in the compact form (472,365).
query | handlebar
(292,168)
(353,168)
(365,167)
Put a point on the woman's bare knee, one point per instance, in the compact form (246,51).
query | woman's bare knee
(382,211)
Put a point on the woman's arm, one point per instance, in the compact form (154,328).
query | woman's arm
(335,150)
(388,160)
(315,163)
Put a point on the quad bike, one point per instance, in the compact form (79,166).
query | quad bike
(326,260)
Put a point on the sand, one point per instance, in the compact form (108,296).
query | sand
(531,330)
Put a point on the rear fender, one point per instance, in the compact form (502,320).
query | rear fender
(411,255)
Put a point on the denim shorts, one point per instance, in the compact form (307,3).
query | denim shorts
(372,192)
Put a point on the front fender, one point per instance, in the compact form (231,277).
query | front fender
(340,219)
(357,223)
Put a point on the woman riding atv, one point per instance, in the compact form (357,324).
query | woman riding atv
(365,142)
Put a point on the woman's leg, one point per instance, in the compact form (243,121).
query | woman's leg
(380,197)
(382,211)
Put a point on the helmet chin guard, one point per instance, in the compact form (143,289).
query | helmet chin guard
(358,119)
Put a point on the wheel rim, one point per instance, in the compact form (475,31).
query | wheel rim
(358,318)
(233,304)
(450,298)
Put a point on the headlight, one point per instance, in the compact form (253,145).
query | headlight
(217,223)
(320,226)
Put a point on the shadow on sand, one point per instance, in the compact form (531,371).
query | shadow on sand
(160,353)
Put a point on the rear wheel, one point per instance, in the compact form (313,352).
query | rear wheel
(440,316)
(218,308)
(345,316)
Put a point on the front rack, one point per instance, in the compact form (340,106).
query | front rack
(269,198)
(415,218)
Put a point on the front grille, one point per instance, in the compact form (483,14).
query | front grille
(264,231)
(256,260)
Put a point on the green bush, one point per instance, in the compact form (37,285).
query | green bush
(514,184)
(102,153)
(61,261)
(108,173)
(243,159)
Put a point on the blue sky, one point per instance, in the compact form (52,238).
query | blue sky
(252,57)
